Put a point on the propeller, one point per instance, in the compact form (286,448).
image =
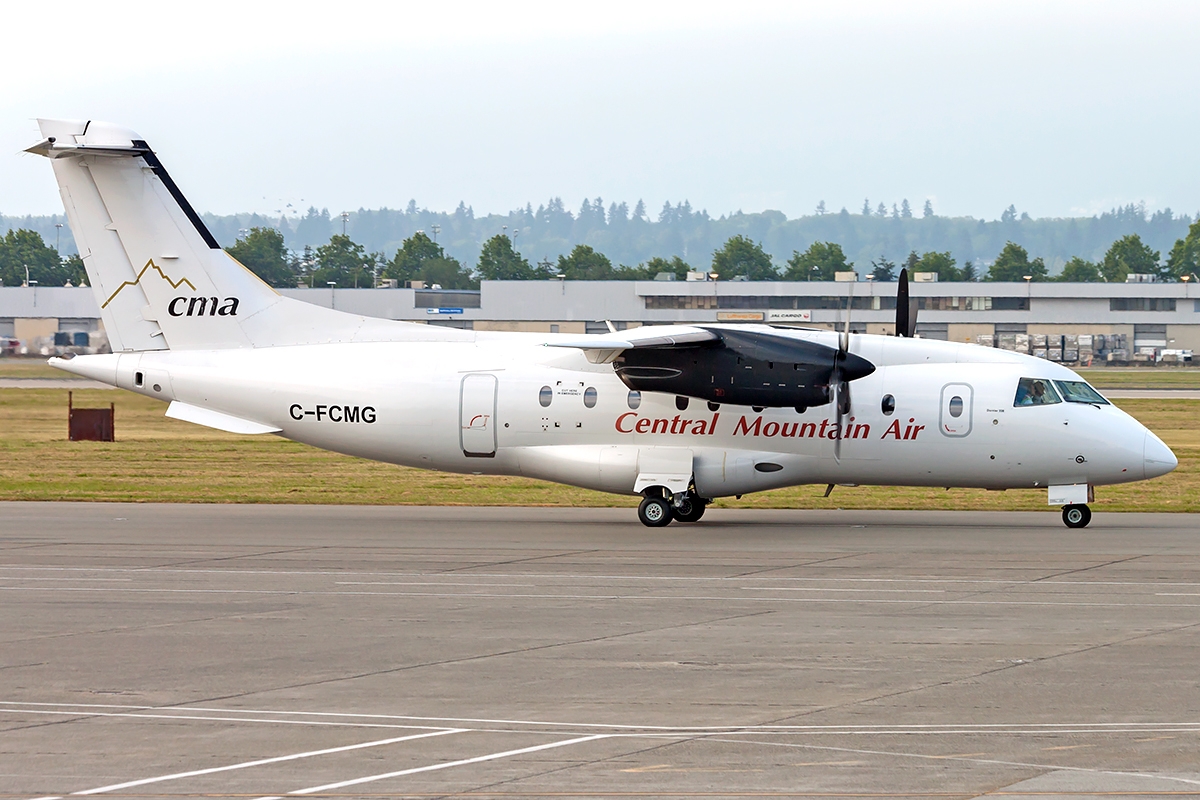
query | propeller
(838,378)
(906,308)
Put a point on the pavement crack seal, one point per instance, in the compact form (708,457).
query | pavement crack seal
(798,566)
(482,564)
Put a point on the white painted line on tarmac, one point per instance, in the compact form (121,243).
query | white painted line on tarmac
(197,718)
(448,764)
(261,762)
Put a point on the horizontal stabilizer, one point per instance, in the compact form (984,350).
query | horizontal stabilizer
(215,419)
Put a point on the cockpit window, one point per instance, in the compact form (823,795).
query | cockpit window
(1079,392)
(1035,392)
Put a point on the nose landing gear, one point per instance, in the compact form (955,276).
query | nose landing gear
(1076,515)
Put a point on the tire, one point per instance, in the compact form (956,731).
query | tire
(655,512)
(691,510)
(1076,516)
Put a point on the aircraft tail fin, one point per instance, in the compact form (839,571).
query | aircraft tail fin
(161,279)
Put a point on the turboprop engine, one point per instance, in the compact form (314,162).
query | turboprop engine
(746,368)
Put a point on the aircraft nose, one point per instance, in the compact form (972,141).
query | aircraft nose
(1157,457)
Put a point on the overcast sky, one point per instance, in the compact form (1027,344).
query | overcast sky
(1060,108)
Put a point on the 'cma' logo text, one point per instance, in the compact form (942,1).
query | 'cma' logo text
(202,306)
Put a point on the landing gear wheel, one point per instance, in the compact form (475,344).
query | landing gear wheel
(655,512)
(690,510)
(1076,516)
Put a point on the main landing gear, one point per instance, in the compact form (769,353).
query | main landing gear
(1076,516)
(657,512)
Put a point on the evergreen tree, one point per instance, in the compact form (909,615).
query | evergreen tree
(905,209)
(263,252)
(866,209)
(742,257)
(314,227)
(927,212)
(881,211)
(884,271)
(819,262)
(821,208)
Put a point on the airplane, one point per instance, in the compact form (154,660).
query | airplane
(679,415)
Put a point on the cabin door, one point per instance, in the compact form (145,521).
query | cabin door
(477,415)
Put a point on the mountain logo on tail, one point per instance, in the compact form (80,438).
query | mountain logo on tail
(149,265)
(182,306)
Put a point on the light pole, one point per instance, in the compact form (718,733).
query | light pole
(57,235)
(562,282)
(331,285)
(436,230)
(345,219)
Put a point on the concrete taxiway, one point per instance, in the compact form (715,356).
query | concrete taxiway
(264,651)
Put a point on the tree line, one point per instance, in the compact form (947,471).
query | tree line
(342,262)
(635,235)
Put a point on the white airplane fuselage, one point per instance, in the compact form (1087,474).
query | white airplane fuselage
(476,407)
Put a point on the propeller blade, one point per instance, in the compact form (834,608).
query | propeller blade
(906,308)
(837,443)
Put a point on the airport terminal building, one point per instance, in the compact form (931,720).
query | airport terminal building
(1126,322)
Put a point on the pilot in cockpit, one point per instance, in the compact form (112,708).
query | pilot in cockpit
(1034,392)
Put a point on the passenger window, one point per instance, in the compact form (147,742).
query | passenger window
(887,405)
(1035,392)
(589,397)
(545,396)
(634,400)
(1079,392)
(956,406)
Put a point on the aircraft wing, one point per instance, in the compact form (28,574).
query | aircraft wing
(605,347)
